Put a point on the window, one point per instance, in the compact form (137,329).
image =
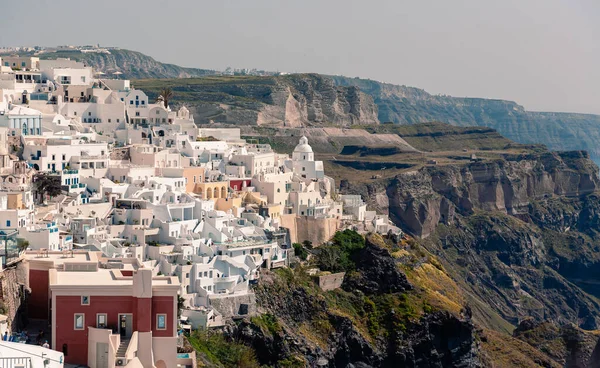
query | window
(85,300)
(131,102)
(64,157)
(137,113)
(7,223)
(53,157)
(109,120)
(79,321)
(82,79)
(75,113)
(161,321)
(89,114)
(101,320)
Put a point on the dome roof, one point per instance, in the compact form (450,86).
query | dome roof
(303,146)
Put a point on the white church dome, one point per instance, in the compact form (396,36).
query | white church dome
(303,146)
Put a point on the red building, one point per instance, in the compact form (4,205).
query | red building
(103,316)
(239,184)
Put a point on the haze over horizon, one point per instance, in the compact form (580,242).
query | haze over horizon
(543,54)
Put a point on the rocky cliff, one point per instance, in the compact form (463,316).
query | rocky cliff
(409,105)
(285,101)
(420,200)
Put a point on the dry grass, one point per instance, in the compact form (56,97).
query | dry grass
(504,351)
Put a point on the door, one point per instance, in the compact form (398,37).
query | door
(125,325)
(101,355)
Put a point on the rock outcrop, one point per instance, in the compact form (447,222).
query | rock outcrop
(327,329)
(420,200)
(291,101)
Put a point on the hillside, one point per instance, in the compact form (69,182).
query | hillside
(408,105)
(499,269)
(281,101)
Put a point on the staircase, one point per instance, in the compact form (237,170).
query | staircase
(123,348)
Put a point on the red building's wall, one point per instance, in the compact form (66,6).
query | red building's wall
(163,305)
(77,340)
(144,312)
(239,184)
(38,301)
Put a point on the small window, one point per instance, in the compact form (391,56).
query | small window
(89,114)
(64,157)
(101,320)
(79,321)
(7,223)
(85,300)
(161,321)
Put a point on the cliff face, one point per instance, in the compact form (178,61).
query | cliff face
(408,105)
(286,101)
(519,234)
(422,199)
(374,321)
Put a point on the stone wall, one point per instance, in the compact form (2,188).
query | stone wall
(316,230)
(15,290)
(331,282)
(230,306)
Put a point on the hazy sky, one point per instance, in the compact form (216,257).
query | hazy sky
(544,54)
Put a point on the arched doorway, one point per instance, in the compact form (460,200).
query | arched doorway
(215,193)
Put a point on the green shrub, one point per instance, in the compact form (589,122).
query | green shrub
(300,251)
(222,352)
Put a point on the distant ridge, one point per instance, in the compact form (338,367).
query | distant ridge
(253,100)
(132,64)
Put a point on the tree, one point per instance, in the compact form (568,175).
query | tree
(307,244)
(22,244)
(47,184)
(165,95)
(329,258)
(300,252)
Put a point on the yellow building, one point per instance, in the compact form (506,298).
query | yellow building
(213,190)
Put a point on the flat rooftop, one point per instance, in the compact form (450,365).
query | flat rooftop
(59,258)
(102,277)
